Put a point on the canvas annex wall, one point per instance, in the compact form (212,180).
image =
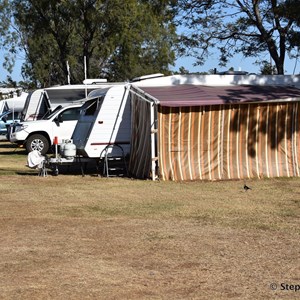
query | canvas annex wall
(216,132)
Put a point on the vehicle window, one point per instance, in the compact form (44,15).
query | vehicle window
(10,116)
(3,115)
(70,114)
(53,112)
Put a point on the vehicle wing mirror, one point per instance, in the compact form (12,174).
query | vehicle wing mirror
(58,120)
(4,119)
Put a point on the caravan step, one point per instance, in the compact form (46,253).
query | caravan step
(114,158)
(116,169)
(113,165)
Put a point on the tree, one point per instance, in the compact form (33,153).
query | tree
(251,27)
(9,83)
(142,40)
(267,68)
(9,35)
(117,39)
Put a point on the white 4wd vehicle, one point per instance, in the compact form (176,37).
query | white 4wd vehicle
(39,135)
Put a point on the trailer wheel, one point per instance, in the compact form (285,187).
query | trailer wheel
(37,142)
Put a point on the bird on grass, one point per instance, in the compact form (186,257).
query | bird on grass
(246,188)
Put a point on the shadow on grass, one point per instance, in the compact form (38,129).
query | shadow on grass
(27,173)
(10,173)
(7,145)
(14,153)
(7,148)
(72,170)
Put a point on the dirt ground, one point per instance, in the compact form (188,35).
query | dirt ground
(73,237)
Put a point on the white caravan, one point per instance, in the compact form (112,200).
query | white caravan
(42,101)
(13,100)
(104,121)
(104,126)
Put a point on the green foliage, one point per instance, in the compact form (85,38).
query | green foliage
(117,39)
(183,70)
(9,83)
(8,36)
(267,68)
(142,40)
(249,27)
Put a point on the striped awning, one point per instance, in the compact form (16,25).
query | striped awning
(229,141)
(246,135)
(201,95)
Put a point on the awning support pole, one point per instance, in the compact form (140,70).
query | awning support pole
(153,139)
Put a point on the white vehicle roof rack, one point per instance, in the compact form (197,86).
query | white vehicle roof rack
(94,81)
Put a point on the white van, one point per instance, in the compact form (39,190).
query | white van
(39,135)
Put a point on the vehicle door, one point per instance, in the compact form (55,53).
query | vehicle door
(64,123)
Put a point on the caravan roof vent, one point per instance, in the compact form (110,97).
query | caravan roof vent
(156,75)
(94,81)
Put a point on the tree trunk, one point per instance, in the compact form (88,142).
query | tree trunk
(280,68)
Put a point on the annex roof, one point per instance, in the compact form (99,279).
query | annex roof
(200,95)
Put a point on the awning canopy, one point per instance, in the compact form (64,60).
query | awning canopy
(61,96)
(200,95)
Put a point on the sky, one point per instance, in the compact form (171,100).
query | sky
(238,63)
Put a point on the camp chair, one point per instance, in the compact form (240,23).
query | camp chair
(35,160)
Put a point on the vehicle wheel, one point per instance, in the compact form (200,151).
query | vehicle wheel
(37,142)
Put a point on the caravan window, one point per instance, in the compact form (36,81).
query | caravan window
(90,108)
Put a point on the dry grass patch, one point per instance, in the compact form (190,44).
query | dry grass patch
(73,237)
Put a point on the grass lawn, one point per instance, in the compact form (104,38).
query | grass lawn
(74,237)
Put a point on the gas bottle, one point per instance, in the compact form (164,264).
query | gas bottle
(68,149)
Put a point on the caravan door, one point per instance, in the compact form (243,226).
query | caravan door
(87,119)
